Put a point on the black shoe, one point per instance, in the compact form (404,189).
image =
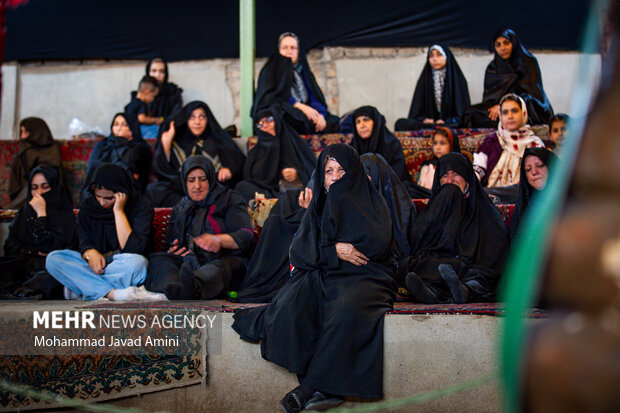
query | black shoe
(418,291)
(459,292)
(294,401)
(321,402)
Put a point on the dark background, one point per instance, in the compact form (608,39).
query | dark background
(184,30)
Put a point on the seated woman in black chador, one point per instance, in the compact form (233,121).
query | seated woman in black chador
(512,70)
(192,131)
(169,100)
(326,323)
(459,241)
(534,174)
(286,84)
(441,94)
(122,146)
(280,160)
(209,239)
(36,147)
(45,223)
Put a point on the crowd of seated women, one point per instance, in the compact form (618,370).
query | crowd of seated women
(344,240)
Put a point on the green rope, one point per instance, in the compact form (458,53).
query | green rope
(419,398)
(524,266)
(58,400)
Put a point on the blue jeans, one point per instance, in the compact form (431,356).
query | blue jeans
(149,131)
(73,272)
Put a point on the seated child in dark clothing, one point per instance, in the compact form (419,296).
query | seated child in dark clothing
(138,107)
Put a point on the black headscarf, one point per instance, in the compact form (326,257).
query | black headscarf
(273,153)
(116,179)
(520,74)
(222,211)
(454,97)
(276,80)
(381,141)
(353,211)
(60,218)
(402,210)
(526,191)
(168,99)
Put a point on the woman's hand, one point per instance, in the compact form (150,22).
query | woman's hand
(305,197)
(224,175)
(310,112)
(320,124)
(121,201)
(174,249)
(95,260)
(440,122)
(167,137)
(38,204)
(347,252)
(208,242)
(289,174)
(493,112)
(428,120)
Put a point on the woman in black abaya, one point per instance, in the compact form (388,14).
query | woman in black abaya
(441,94)
(168,100)
(326,323)
(45,223)
(459,241)
(209,239)
(280,160)
(286,84)
(513,70)
(192,131)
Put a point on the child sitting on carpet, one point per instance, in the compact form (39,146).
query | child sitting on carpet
(444,141)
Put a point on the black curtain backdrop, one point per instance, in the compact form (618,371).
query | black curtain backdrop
(185,30)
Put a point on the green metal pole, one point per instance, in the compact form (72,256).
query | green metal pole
(246,63)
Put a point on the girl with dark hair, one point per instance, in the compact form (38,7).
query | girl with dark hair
(445,140)
(286,85)
(192,131)
(459,241)
(114,227)
(209,238)
(169,100)
(498,158)
(45,223)
(326,323)
(36,147)
(441,94)
(512,70)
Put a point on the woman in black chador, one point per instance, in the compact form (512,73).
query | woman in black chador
(441,94)
(45,223)
(280,160)
(192,131)
(209,239)
(169,99)
(124,146)
(326,323)
(286,84)
(459,241)
(512,70)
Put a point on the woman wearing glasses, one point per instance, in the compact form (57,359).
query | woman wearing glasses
(192,131)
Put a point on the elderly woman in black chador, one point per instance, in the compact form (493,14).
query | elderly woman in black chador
(192,131)
(459,241)
(286,84)
(124,146)
(441,94)
(534,175)
(280,160)
(209,238)
(326,323)
(512,70)
(45,223)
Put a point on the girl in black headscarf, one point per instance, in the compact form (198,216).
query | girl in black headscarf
(192,131)
(114,227)
(45,223)
(208,239)
(124,146)
(168,100)
(286,85)
(36,147)
(280,160)
(534,174)
(441,95)
(459,240)
(512,70)
(326,323)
